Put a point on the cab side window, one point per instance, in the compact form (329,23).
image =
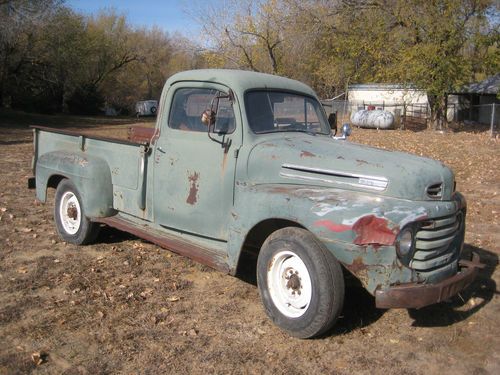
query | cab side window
(188,105)
(225,122)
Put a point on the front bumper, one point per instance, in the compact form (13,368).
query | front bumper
(416,296)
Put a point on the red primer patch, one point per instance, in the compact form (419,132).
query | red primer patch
(332,226)
(374,230)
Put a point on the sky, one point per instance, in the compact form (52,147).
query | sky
(168,15)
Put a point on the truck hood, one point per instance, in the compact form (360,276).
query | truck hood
(322,161)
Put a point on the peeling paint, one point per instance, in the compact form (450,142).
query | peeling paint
(193,188)
(322,209)
(307,154)
(374,230)
(370,230)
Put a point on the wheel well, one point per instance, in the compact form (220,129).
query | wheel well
(54,180)
(247,262)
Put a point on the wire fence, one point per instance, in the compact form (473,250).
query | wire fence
(417,115)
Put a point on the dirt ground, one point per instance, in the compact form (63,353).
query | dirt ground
(126,306)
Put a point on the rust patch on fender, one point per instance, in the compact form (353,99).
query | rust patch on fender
(193,188)
(332,226)
(357,265)
(374,230)
(359,269)
(307,154)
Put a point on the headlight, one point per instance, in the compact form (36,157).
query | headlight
(404,245)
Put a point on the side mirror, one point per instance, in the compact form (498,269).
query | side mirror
(346,132)
(208,117)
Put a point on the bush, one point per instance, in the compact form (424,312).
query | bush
(86,100)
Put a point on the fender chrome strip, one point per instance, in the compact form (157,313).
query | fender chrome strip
(365,181)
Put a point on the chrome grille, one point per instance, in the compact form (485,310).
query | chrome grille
(435,191)
(438,242)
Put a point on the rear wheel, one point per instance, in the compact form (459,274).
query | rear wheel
(300,282)
(71,223)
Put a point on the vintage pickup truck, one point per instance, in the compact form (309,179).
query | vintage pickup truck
(243,165)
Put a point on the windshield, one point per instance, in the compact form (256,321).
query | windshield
(277,111)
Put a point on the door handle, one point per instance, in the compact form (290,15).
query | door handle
(161,150)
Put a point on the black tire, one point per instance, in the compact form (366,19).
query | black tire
(74,227)
(153,110)
(325,275)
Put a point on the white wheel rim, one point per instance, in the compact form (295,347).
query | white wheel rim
(289,284)
(70,212)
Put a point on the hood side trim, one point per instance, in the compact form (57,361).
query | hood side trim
(377,183)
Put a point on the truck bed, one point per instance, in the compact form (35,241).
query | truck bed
(125,158)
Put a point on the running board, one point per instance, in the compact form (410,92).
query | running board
(170,242)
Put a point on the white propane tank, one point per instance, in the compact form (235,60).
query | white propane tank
(376,119)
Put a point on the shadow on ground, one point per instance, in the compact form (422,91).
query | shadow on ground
(359,306)
(466,303)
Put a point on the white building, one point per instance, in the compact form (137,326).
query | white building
(386,95)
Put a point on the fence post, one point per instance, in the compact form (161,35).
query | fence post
(492,118)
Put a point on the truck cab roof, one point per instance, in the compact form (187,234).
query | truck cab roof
(240,80)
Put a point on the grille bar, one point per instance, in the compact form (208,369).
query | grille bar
(436,243)
(429,235)
(425,255)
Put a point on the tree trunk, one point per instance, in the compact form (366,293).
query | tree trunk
(438,105)
(4,76)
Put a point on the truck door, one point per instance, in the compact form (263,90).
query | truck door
(194,173)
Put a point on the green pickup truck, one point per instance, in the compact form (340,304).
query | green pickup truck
(243,166)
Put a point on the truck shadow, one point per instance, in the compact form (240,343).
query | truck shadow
(109,235)
(465,304)
(359,306)
(359,311)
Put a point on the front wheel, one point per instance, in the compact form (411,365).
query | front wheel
(300,282)
(71,223)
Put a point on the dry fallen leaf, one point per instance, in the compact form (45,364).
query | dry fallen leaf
(146,293)
(22,270)
(38,358)
(173,299)
(193,332)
